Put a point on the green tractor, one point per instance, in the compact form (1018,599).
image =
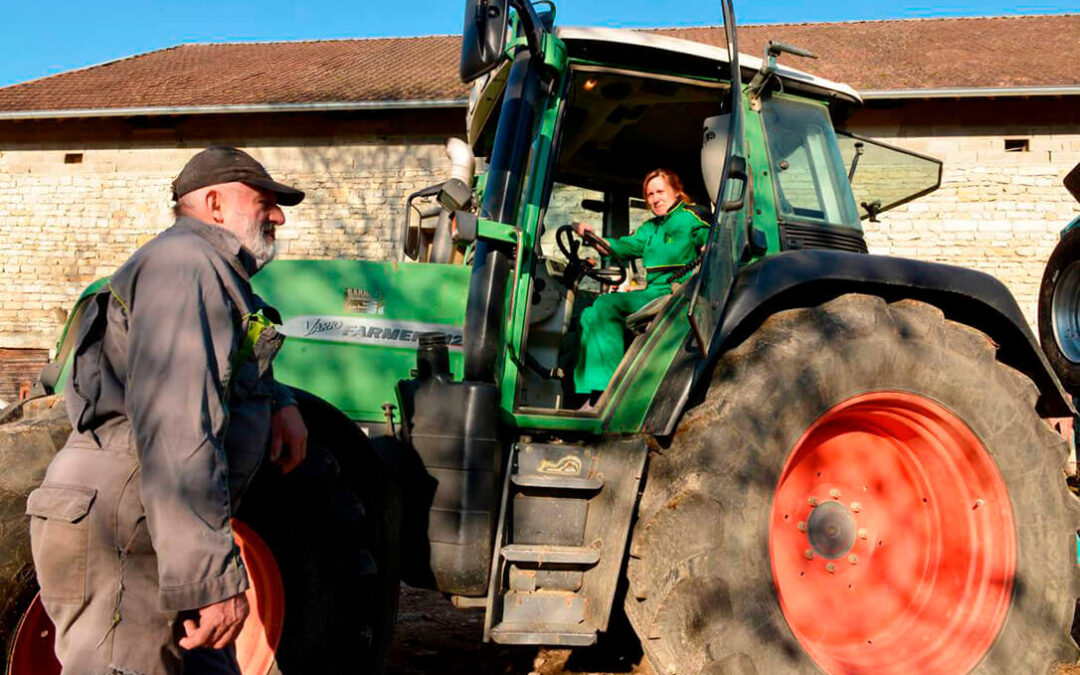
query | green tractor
(810,459)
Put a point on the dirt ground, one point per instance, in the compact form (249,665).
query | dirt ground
(435,638)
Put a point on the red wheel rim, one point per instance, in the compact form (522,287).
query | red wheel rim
(892,540)
(33,650)
(258,641)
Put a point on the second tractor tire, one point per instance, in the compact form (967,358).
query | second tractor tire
(1059,310)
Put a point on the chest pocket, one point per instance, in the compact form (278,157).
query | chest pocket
(249,368)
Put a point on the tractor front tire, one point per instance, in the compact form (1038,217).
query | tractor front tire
(864,489)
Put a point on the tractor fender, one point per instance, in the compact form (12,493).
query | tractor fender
(810,277)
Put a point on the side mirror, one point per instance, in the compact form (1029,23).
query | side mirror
(483,39)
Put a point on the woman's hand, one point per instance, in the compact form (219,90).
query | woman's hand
(582,228)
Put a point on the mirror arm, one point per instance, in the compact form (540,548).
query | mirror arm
(532,26)
(423,192)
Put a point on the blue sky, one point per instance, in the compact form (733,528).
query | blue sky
(43,37)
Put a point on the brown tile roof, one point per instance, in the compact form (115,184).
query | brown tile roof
(1022,51)
(869,55)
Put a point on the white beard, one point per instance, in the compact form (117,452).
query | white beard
(258,244)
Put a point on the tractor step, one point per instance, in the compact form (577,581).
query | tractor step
(568,635)
(541,481)
(547,554)
(565,516)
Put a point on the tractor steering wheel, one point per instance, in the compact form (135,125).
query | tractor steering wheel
(566,238)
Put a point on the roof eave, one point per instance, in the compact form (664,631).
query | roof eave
(415,104)
(329,106)
(970,92)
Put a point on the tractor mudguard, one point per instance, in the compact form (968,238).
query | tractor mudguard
(811,277)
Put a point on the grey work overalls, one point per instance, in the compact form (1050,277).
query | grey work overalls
(170,398)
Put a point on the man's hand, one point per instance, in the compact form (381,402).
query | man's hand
(217,625)
(288,438)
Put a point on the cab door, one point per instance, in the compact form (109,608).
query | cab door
(728,236)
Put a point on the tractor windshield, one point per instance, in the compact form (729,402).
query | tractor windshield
(811,184)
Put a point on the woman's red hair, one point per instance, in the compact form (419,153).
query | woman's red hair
(671,178)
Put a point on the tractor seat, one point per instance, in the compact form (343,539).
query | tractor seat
(640,320)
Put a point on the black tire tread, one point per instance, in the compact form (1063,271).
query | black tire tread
(26,448)
(705,602)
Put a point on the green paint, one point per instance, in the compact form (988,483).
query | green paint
(359,378)
(66,343)
(765,217)
(633,396)
(495,231)
(529,213)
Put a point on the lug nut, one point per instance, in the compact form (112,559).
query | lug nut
(853,559)
(856,507)
(834,493)
(809,553)
(801,526)
(812,501)
(830,568)
(863,534)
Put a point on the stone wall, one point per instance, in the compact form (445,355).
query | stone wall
(66,224)
(998,211)
(77,199)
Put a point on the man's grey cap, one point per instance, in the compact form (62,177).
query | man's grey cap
(222,164)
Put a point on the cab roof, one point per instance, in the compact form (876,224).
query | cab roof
(639,49)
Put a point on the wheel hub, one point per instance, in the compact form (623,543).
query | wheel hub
(831,530)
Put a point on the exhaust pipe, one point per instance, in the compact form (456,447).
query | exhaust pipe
(462,160)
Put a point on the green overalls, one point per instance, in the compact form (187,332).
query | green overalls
(664,243)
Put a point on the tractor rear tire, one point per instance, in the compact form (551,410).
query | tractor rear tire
(782,530)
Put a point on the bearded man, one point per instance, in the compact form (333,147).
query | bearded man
(173,407)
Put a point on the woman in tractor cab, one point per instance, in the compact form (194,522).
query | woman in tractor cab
(666,244)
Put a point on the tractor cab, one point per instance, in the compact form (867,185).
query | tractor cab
(620,105)
(569,138)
